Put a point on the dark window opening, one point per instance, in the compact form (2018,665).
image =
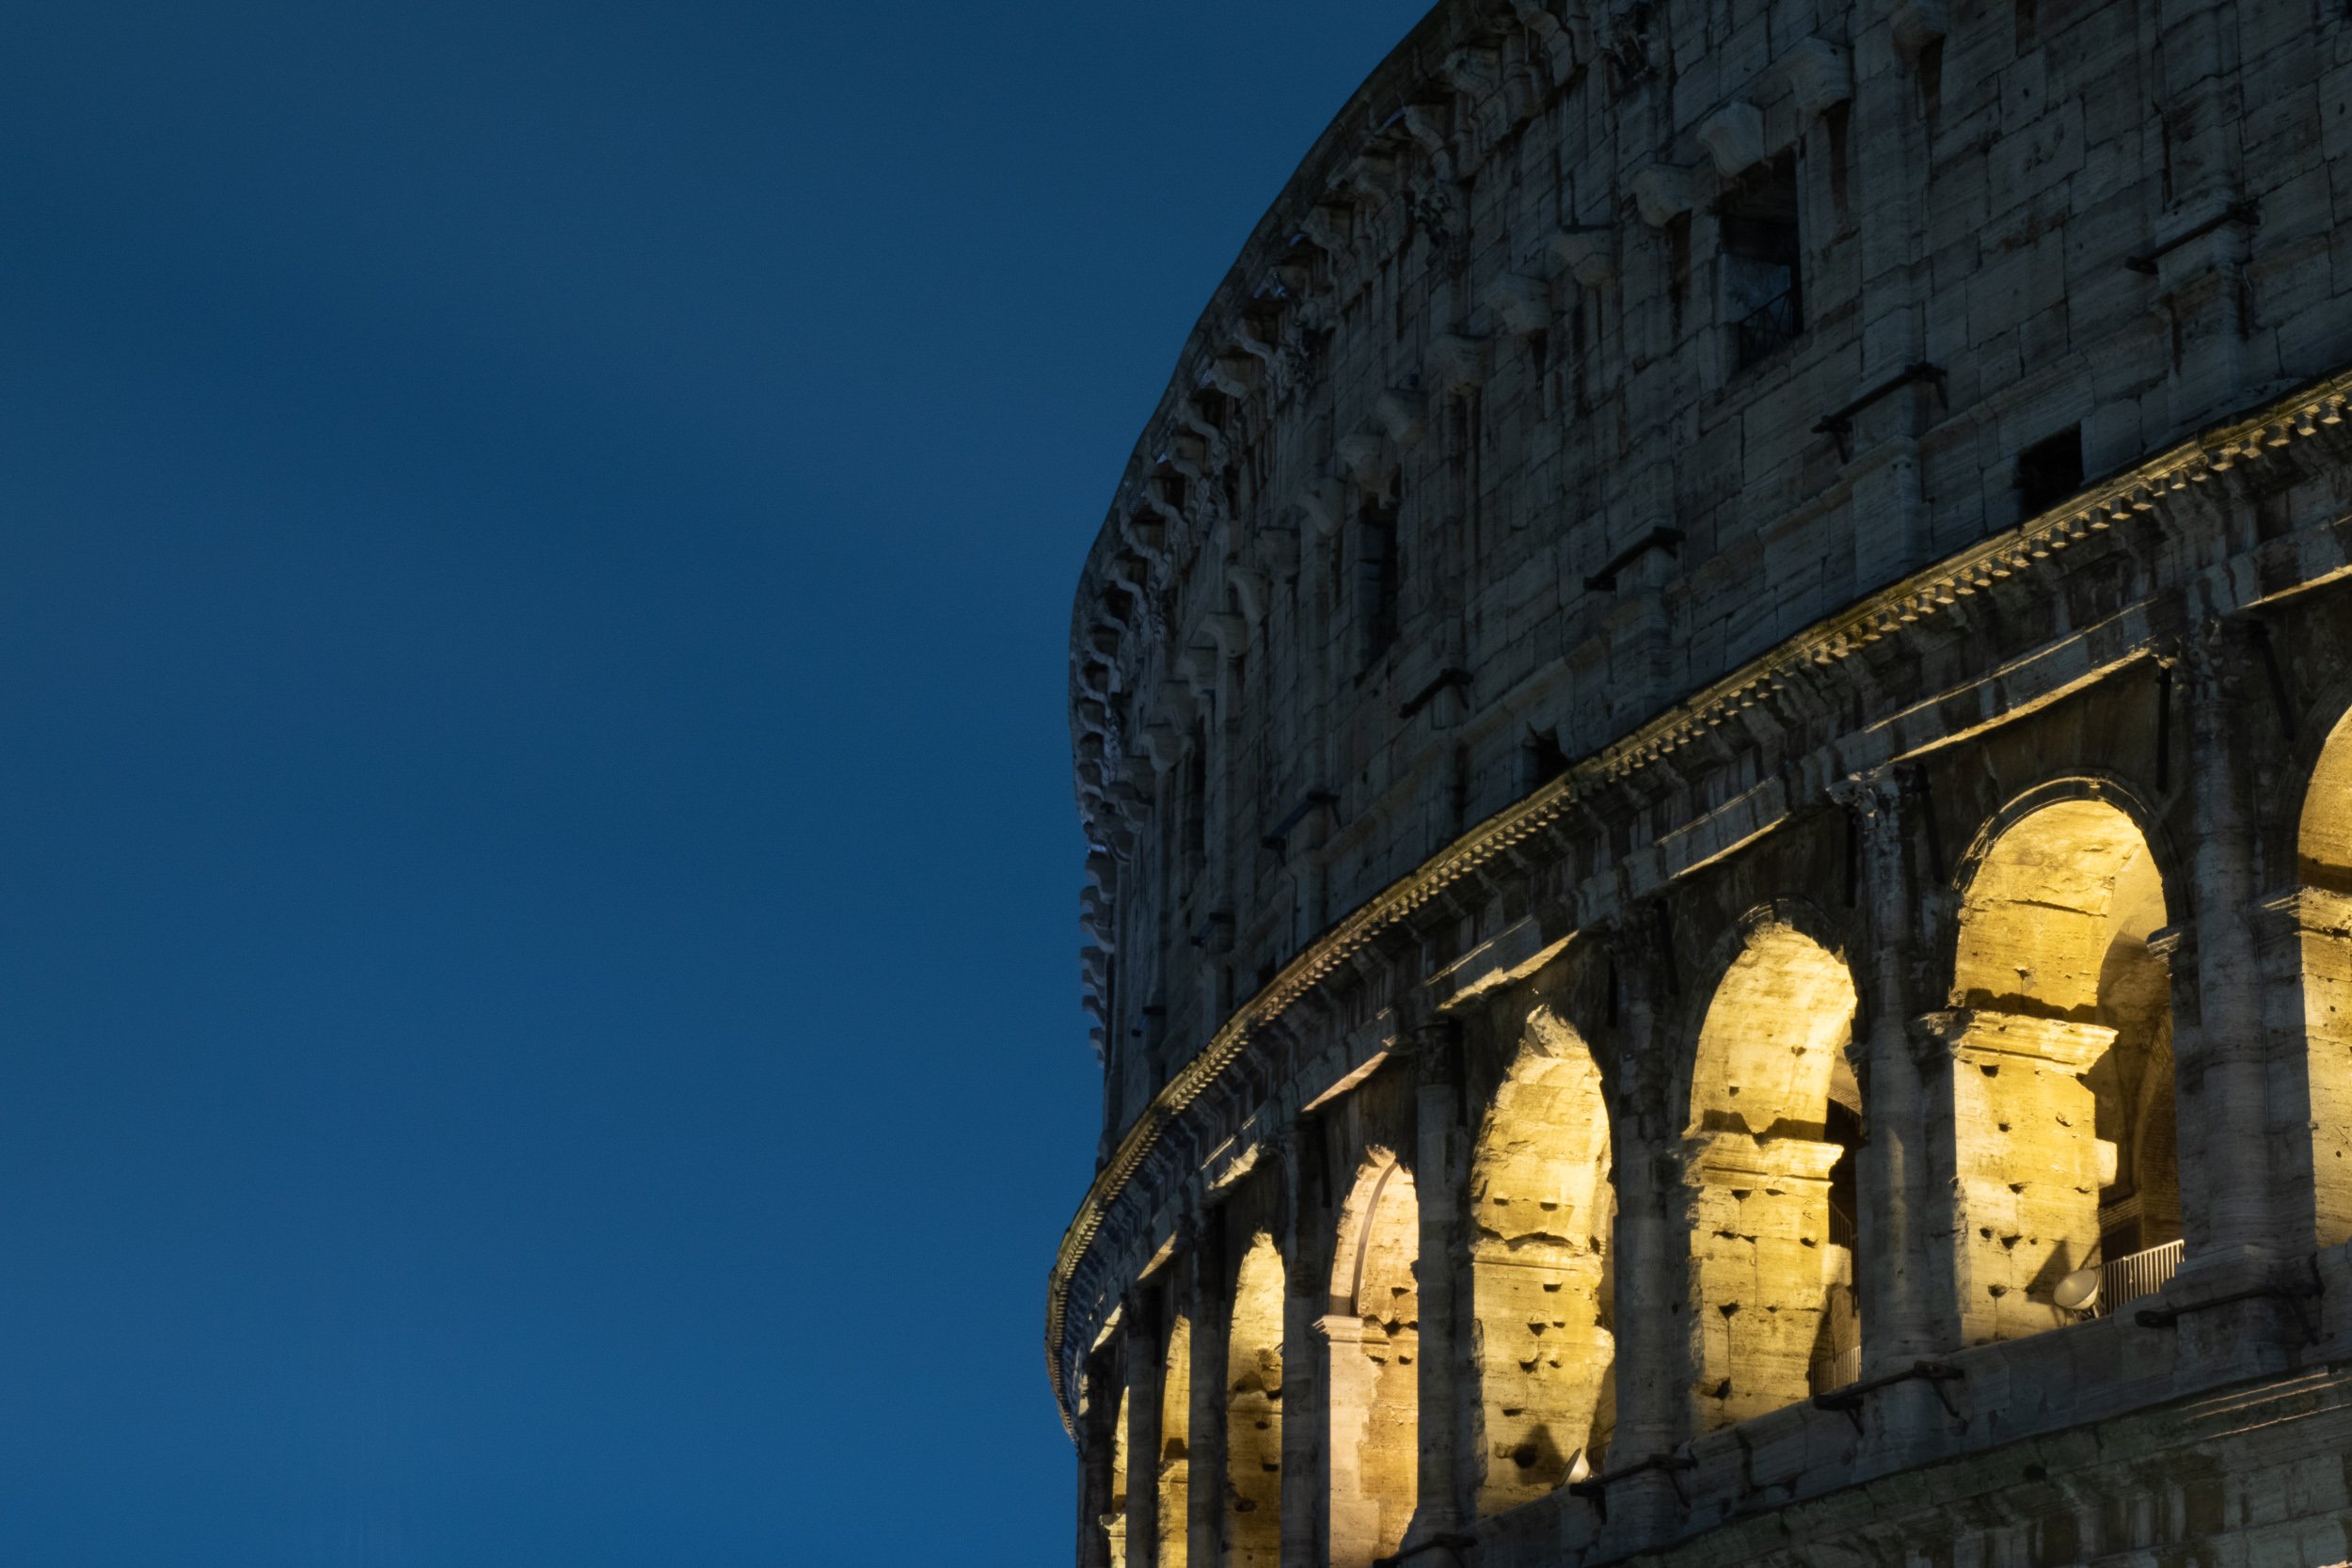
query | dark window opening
(1196,800)
(2049,472)
(1763,283)
(1931,84)
(1545,758)
(2028,24)
(1679,265)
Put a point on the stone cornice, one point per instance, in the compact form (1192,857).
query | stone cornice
(1892,613)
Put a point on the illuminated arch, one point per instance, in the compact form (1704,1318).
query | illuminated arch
(1175,1446)
(1253,1412)
(2061,1043)
(1541,1207)
(2324,865)
(1768,1151)
(1373,1329)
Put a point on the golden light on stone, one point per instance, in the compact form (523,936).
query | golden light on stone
(1724,936)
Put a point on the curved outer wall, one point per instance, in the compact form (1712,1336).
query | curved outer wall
(1646,452)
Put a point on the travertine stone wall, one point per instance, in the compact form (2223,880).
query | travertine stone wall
(1714,722)
(1373,1334)
(1253,1381)
(1542,1210)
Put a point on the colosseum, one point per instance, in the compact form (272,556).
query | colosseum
(1712,727)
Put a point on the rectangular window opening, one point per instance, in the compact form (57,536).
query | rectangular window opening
(2049,472)
(1763,281)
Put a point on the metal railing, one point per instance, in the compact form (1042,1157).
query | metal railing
(1764,329)
(1845,1367)
(2144,1274)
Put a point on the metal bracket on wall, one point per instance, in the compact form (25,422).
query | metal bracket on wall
(2248,211)
(1421,699)
(1839,421)
(1277,837)
(1935,1373)
(1605,581)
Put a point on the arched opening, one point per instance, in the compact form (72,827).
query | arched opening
(1542,1207)
(2324,864)
(1373,1328)
(2068,1181)
(1253,1412)
(1175,1448)
(1770,1157)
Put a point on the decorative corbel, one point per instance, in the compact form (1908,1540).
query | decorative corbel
(1452,363)
(1734,137)
(1819,74)
(1322,226)
(1235,373)
(1197,667)
(1363,457)
(1368,177)
(1256,347)
(1521,303)
(1587,252)
(1403,414)
(1251,591)
(1471,70)
(1189,452)
(1145,529)
(1323,501)
(1162,746)
(1913,24)
(1276,551)
(1554,39)
(1663,192)
(1230,632)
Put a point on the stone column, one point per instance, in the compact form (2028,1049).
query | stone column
(1306,1356)
(1208,1292)
(2306,943)
(1902,1285)
(1351,1520)
(2230,1217)
(1653,1380)
(2025,1164)
(1140,1332)
(1096,1442)
(1440,1170)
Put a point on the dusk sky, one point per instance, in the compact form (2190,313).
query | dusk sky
(538,997)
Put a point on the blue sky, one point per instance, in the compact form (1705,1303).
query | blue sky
(538,1014)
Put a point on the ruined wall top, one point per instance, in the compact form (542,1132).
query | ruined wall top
(1593,352)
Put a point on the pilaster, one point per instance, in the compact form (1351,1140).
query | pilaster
(1642,1501)
(1902,1284)
(1139,1326)
(1208,1302)
(1447,1380)
(2226,1182)
(1306,1354)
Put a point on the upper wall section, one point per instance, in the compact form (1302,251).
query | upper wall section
(1594,351)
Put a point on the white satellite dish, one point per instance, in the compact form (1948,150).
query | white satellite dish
(2079,1291)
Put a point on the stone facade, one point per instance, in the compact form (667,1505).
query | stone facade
(1712,721)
